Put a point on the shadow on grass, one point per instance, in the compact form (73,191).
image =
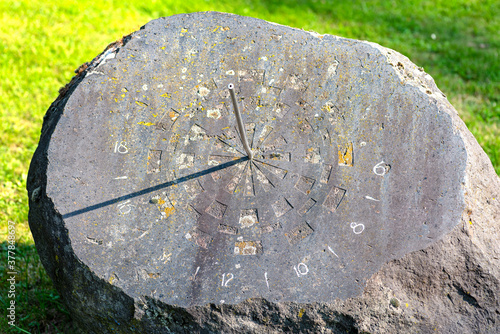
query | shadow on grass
(38,307)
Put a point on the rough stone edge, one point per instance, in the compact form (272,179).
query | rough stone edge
(464,266)
(382,307)
(71,273)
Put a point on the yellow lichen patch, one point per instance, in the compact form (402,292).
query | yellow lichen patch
(165,206)
(146,123)
(142,104)
(175,138)
(346,155)
(169,211)
(301,312)
(173,115)
(247,247)
(165,95)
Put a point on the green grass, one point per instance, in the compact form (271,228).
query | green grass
(43,42)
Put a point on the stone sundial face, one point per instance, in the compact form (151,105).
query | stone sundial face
(158,195)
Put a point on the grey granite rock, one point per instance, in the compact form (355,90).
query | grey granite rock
(368,208)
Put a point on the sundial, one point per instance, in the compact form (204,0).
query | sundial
(149,172)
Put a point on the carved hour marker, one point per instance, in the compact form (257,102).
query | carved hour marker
(305,127)
(154,161)
(194,214)
(199,237)
(247,247)
(255,76)
(172,142)
(231,186)
(249,190)
(167,119)
(279,172)
(263,180)
(334,198)
(185,160)
(276,156)
(325,174)
(270,228)
(298,233)
(248,217)
(295,82)
(197,133)
(216,209)
(312,155)
(220,144)
(227,229)
(304,184)
(281,207)
(193,188)
(346,157)
(274,144)
(251,103)
(307,206)
(228,134)
(281,109)
(215,112)
(204,89)
(325,136)
(266,131)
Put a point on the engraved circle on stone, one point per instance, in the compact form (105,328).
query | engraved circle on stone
(245,175)
(271,147)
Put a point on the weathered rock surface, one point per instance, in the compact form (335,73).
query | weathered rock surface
(444,279)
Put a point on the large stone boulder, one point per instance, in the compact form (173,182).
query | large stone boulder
(368,207)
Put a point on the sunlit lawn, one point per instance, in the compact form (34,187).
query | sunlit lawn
(43,42)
